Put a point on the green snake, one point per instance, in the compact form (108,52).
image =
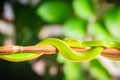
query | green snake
(64,48)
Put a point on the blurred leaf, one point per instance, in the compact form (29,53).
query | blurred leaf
(75,27)
(24,36)
(27,24)
(72,70)
(98,71)
(60,58)
(84,8)
(54,11)
(100,33)
(112,21)
(25,16)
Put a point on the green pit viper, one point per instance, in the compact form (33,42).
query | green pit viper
(64,48)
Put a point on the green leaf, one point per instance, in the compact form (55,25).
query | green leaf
(54,11)
(75,27)
(100,33)
(112,21)
(83,8)
(98,71)
(72,70)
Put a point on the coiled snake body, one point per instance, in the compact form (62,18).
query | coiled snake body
(64,48)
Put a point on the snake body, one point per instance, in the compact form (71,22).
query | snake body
(64,49)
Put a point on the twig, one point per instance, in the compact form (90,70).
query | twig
(10,49)
(49,49)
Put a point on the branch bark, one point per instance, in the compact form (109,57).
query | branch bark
(49,49)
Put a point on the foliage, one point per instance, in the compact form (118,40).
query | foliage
(81,19)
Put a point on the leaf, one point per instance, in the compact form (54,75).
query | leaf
(54,11)
(112,21)
(100,33)
(83,8)
(75,27)
(72,70)
(98,71)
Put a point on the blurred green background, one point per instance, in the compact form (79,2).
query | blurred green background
(26,22)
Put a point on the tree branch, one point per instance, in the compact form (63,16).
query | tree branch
(49,49)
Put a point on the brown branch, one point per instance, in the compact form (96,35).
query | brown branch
(49,49)
(10,49)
